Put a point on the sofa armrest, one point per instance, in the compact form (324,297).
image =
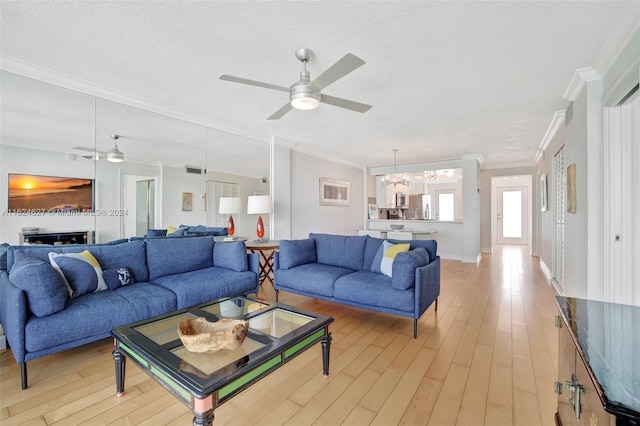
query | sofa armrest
(427,286)
(13,315)
(254,266)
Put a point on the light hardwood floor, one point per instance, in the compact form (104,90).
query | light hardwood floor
(487,356)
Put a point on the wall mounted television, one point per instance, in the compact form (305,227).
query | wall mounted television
(49,194)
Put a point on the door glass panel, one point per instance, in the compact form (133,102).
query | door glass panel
(512,214)
(446,206)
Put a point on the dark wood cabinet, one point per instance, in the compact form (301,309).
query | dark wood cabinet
(597,361)
(54,238)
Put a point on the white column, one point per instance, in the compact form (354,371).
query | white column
(471,208)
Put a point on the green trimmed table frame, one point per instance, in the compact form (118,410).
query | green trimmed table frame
(203,381)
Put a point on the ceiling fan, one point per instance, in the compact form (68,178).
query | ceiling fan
(305,94)
(114,155)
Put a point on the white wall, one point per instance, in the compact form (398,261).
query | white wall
(307,215)
(176,181)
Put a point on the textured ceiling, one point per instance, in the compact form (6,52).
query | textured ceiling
(445,78)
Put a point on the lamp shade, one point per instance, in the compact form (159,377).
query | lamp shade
(230,205)
(259,204)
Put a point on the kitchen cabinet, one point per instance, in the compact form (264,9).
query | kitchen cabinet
(598,356)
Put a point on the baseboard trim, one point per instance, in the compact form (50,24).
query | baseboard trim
(545,270)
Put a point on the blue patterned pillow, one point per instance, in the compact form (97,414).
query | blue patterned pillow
(115,278)
(81,271)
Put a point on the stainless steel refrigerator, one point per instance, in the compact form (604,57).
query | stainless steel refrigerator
(419,207)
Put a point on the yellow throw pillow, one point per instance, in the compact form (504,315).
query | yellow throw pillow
(390,253)
(171,229)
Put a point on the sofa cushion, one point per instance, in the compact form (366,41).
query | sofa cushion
(315,278)
(371,248)
(199,286)
(231,255)
(404,268)
(116,278)
(373,289)
(390,253)
(81,271)
(169,256)
(44,287)
(3,256)
(41,251)
(296,252)
(96,314)
(131,255)
(340,250)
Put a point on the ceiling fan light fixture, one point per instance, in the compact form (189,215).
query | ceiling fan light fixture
(304,98)
(114,155)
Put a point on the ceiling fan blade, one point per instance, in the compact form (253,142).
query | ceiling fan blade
(282,111)
(84,148)
(344,66)
(344,103)
(253,83)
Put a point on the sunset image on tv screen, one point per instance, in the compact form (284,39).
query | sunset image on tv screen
(49,194)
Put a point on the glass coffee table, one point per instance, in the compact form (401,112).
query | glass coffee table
(203,381)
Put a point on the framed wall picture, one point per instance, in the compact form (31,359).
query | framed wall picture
(334,192)
(187,201)
(543,193)
(572,202)
(373,211)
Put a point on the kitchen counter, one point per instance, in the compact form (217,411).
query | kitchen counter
(448,234)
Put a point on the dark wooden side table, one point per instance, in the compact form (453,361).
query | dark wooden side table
(267,250)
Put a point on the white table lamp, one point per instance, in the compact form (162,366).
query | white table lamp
(259,204)
(230,205)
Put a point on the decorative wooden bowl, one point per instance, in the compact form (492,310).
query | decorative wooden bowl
(200,335)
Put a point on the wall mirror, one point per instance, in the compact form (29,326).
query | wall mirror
(40,126)
(54,131)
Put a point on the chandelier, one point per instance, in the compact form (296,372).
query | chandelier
(394,179)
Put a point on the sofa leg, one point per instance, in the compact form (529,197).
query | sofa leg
(23,373)
(436,304)
(415,328)
(276,295)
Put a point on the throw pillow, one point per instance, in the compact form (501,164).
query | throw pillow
(115,278)
(81,271)
(390,252)
(156,233)
(45,289)
(171,229)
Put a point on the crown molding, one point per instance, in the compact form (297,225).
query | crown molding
(554,126)
(46,75)
(496,166)
(580,78)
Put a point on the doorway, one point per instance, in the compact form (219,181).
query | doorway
(512,215)
(141,201)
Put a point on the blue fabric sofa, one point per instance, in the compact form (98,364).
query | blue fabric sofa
(40,317)
(346,269)
(186,231)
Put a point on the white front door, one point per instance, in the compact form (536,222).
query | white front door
(513,215)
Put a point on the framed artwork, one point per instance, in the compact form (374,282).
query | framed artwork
(543,193)
(373,211)
(187,201)
(572,202)
(334,192)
